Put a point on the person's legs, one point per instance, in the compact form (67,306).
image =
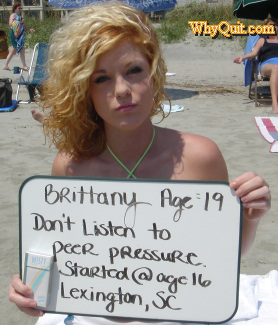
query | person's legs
(9,57)
(12,51)
(271,70)
(22,58)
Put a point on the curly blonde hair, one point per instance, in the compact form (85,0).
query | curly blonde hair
(72,123)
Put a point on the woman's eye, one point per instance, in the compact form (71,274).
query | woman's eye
(101,79)
(135,70)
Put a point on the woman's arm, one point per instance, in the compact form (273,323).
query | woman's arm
(251,188)
(11,19)
(26,28)
(254,193)
(251,54)
(19,293)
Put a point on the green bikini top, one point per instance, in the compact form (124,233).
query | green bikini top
(130,172)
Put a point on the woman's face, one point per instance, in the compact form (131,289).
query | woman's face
(120,87)
(18,10)
(274,24)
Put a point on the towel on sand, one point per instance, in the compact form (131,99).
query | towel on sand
(258,305)
(174,108)
(268,127)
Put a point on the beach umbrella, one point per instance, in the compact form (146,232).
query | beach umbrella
(144,5)
(70,4)
(74,4)
(256,9)
(155,5)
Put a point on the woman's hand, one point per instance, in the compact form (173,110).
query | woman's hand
(238,59)
(19,293)
(254,193)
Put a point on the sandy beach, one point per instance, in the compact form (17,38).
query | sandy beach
(210,87)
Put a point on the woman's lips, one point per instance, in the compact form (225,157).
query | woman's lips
(126,107)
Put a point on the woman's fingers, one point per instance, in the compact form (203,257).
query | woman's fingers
(31,311)
(254,193)
(248,182)
(21,295)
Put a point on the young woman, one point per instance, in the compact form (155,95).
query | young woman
(106,82)
(267,49)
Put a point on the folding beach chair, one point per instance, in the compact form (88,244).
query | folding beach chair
(252,76)
(262,94)
(37,72)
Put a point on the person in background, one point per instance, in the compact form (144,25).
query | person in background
(267,49)
(106,82)
(17,36)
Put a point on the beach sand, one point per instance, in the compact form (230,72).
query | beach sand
(211,89)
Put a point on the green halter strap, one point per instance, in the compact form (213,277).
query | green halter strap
(130,172)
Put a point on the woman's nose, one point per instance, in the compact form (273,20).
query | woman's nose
(122,87)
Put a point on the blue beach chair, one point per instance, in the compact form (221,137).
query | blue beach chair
(252,76)
(37,72)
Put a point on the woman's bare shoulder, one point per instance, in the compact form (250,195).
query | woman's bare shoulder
(199,142)
(205,158)
(200,147)
(64,164)
(60,164)
(190,143)
(200,157)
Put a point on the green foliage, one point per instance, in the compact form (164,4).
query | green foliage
(43,29)
(171,29)
(175,25)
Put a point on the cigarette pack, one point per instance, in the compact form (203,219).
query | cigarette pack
(37,275)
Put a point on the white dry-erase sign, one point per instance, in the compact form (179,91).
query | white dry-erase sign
(158,250)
